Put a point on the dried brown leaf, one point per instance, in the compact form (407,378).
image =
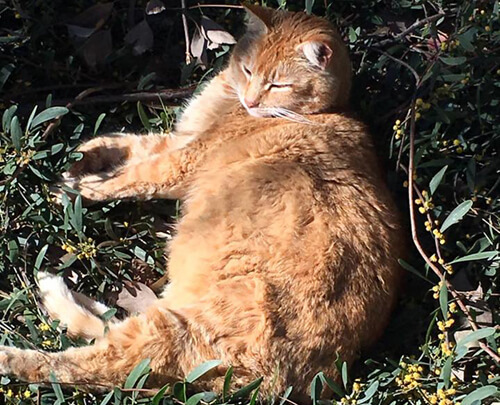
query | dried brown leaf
(154,7)
(90,20)
(135,297)
(214,33)
(199,47)
(97,48)
(140,37)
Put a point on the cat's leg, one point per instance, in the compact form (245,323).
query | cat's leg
(160,335)
(162,175)
(78,313)
(206,108)
(106,152)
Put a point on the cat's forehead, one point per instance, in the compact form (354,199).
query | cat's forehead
(278,47)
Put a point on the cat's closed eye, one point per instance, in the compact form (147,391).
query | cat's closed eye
(279,86)
(246,70)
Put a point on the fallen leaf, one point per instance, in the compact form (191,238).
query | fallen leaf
(135,297)
(214,33)
(97,48)
(89,21)
(199,48)
(140,37)
(154,7)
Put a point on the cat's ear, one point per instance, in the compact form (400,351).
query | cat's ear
(317,53)
(259,18)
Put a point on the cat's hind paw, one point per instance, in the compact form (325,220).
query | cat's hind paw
(5,358)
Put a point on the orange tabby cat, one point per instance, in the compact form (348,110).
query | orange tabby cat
(286,253)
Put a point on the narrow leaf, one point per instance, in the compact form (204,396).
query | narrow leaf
(456,215)
(98,122)
(40,256)
(436,180)
(195,399)
(16,133)
(141,369)
(47,115)
(143,116)
(245,391)
(477,256)
(446,371)
(227,383)
(480,394)
(202,369)
(56,387)
(443,300)
(345,379)
(476,335)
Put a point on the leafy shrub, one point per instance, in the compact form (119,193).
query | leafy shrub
(427,80)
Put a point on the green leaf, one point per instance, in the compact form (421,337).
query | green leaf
(480,394)
(47,115)
(110,313)
(159,395)
(476,335)
(7,117)
(30,119)
(245,391)
(13,250)
(345,379)
(195,399)
(309,6)
(370,392)
(331,384)
(98,122)
(39,257)
(443,300)
(16,133)
(255,395)
(143,116)
(316,388)
(454,61)
(107,398)
(57,388)
(227,383)
(477,256)
(285,395)
(456,215)
(141,369)
(412,270)
(436,180)
(202,369)
(446,371)
(76,217)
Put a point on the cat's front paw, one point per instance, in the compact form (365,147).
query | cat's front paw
(91,188)
(99,154)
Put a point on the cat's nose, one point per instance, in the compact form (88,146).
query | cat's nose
(251,103)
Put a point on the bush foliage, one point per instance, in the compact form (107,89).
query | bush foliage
(426,79)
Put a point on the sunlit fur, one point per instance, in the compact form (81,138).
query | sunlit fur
(273,53)
(285,257)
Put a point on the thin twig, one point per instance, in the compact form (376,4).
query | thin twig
(186,32)
(146,96)
(164,95)
(215,6)
(410,29)
(419,247)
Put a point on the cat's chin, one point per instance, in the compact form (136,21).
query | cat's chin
(260,113)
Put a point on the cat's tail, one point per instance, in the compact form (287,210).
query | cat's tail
(160,335)
(78,313)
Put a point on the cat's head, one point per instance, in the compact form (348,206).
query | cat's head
(289,63)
